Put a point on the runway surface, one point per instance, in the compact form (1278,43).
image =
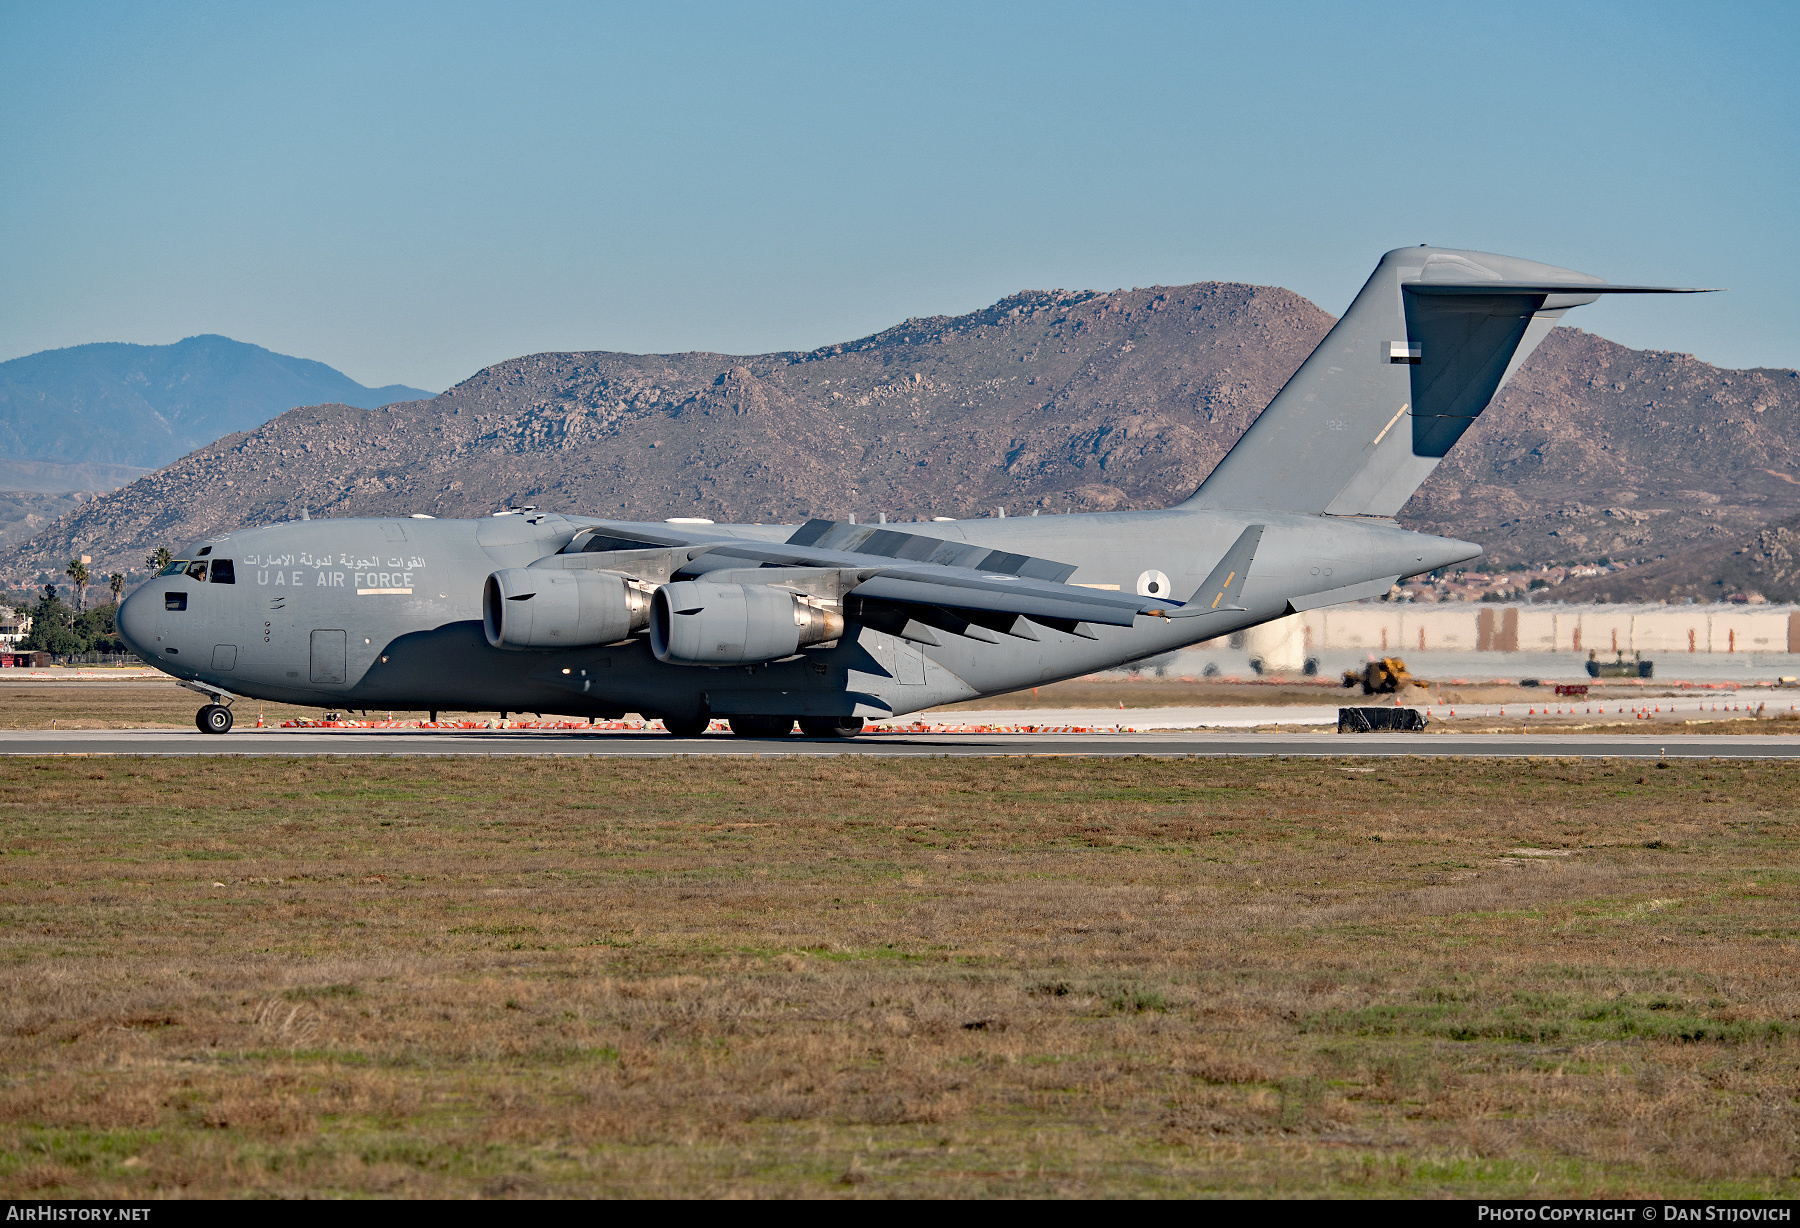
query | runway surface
(643,745)
(1249,716)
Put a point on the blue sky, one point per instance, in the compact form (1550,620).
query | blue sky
(411,191)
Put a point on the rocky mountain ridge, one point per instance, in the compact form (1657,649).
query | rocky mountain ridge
(1051,400)
(1765,563)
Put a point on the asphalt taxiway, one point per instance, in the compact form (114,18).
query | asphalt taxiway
(622,744)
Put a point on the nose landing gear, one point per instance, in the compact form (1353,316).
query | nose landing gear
(213,718)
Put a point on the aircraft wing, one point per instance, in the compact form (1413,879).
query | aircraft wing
(884,564)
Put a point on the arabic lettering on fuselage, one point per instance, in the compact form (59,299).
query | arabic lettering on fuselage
(303,559)
(359,571)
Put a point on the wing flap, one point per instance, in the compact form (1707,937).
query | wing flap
(1013,600)
(883,541)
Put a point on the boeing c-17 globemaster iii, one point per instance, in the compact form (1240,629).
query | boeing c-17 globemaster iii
(828,624)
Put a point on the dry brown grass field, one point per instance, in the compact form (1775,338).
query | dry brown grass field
(523,977)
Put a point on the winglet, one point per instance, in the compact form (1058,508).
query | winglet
(1225,584)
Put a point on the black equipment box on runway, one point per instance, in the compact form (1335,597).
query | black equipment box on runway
(1368,720)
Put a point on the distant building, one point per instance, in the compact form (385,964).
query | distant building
(1379,627)
(13,628)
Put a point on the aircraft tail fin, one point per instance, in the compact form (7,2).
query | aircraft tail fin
(1428,342)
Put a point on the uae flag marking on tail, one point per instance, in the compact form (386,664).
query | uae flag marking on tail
(1403,351)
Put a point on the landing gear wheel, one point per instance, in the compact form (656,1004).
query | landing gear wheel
(686,727)
(762,726)
(213,718)
(831,726)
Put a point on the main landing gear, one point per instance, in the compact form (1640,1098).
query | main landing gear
(213,718)
(761,726)
(810,726)
(769,726)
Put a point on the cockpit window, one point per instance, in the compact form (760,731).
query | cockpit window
(176,567)
(223,572)
(197,569)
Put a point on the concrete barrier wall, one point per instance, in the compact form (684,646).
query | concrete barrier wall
(1390,627)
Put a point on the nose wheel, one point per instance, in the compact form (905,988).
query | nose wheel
(213,718)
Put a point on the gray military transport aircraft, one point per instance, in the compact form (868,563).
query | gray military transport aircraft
(829,623)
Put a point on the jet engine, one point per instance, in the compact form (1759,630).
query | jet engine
(529,607)
(693,622)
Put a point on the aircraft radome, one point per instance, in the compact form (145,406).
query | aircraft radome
(827,624)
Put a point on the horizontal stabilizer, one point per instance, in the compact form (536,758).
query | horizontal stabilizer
(1545,287)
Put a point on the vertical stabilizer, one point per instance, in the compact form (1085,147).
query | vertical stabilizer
(1423,349)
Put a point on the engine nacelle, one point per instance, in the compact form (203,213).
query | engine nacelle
(533,607)
(693,622)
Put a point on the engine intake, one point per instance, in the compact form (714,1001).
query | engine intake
(529,607)
(693,622)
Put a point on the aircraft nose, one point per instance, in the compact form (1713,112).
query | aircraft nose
(137,623)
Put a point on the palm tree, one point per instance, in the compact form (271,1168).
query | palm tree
(77,571)
(116,582)
(161,559)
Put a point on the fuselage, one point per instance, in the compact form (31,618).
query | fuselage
(379,614)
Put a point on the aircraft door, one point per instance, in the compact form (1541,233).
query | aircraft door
(173,620)
(328,653)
